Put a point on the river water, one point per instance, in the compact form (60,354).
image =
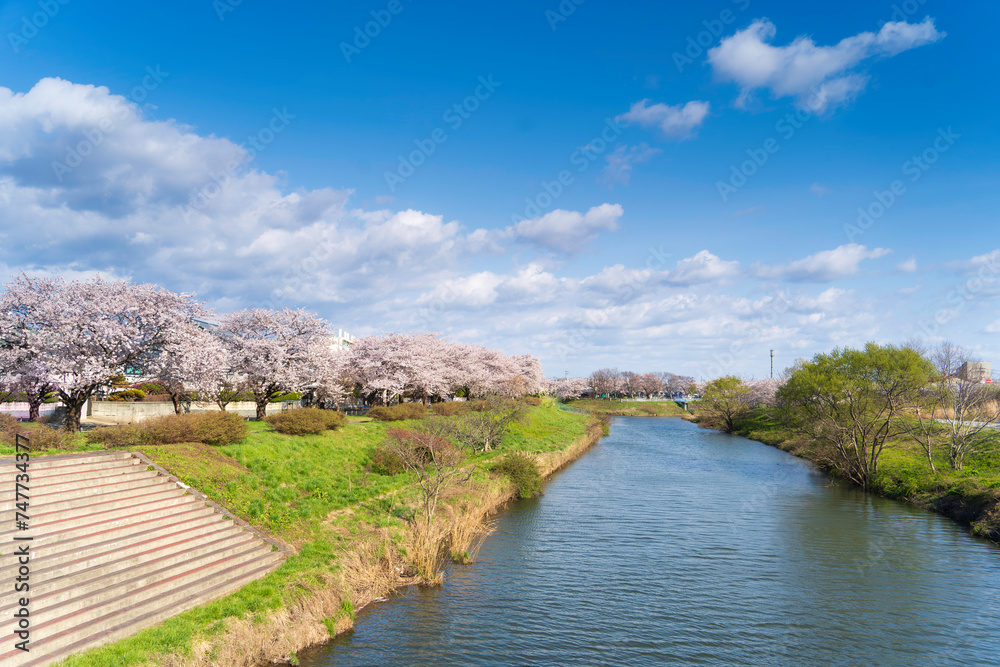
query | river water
(670,544)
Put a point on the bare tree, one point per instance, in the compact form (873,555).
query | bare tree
(482,430)
(962,409)
(437,465)
(605,381)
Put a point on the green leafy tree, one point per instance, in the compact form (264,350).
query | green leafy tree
(727,399)
(850,399)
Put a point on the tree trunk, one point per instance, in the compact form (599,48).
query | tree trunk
(74,405)
(262,408)
(176,400)
(34,408)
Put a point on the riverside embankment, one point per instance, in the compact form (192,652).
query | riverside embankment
(970,496)
(346,525)
(672,544)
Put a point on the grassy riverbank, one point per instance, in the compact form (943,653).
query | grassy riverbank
(617,408)
(346,526)
(970,496)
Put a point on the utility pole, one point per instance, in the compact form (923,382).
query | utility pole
(772,364)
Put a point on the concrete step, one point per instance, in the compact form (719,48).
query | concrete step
(86,491)
(41,516)
(210,558)
(115,548)
(40,528)
(65,473)
(7,463)
(129,620)
(97,477)
(153,518)
(47,569)
(57,501)
(50,556)
(93,580)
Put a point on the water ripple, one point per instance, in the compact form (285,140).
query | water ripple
(668,544)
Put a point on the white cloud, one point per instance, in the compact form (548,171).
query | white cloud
(818,190)
(909,266)
(819,78)
(618,169)
(841,262)
(678,122)
(569,231)
(704,267)
(124,212)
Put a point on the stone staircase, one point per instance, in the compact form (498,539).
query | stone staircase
(116,547)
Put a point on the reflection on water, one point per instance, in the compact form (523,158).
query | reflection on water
(672,544)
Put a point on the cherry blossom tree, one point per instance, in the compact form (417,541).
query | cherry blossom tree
(764,392)
(273,351)
(82,333)
(193,361)
(567,389)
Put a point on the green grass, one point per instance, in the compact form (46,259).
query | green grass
(971,494)
(288,486)
(629,408)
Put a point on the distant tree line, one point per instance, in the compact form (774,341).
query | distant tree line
(70,338)
(853,404)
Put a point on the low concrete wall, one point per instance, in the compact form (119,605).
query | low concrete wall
(124,412)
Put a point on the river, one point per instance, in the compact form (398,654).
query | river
(670,544)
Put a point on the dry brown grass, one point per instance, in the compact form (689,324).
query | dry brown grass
(371,571)
(469,521)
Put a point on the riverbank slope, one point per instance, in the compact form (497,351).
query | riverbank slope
(346,525)
(970,496)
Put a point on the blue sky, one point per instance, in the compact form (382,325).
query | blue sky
(649,257)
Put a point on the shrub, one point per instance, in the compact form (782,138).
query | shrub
(478,405)
(532,400)
(8,428)
(450,409)
(172,429)
(221,428)
(290,396)
(128,395)
(151,388)
(306,420)
(393,413)
(128,435)
(522,470)
(211,428)
(387,462)
(45,437)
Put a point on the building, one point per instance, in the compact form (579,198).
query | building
(977,371)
